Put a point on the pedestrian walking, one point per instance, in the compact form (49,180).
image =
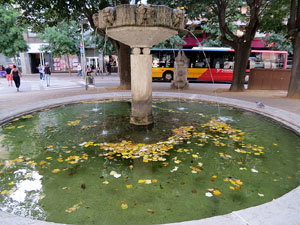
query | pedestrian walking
(40,69)
(47,71)
(97,71)
(9,78)
(16,74)
(79,73)
(108,66)
(88,71)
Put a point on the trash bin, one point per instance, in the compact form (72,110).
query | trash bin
(90,80)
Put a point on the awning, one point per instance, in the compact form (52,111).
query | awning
(35,47)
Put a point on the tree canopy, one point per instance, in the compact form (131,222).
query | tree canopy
(173,42)
(62,39)
(42,14)
(11,39)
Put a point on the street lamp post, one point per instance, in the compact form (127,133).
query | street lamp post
(82,51)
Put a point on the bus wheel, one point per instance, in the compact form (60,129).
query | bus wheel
(168,76)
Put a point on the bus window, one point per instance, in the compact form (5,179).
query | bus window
(228,60)
(257,60)
(166,59)
(280,59)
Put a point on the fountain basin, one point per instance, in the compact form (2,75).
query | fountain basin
(195,96)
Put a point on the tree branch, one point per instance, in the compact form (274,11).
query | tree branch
(221,7)
(253,24)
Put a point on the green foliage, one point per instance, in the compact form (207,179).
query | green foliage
(278,42)
(95,40)
(62,39)
(11,39)
(41,14)
(273,17)
(173,42)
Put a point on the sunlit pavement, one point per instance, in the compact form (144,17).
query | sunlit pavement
(284,210)
(64,85)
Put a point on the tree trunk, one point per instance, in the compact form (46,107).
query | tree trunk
(241,57)
(294,87)
(68,63)
(124,66)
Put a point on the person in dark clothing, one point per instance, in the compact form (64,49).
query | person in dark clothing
(8,76)
(16,74)
(47,71)
(108,66)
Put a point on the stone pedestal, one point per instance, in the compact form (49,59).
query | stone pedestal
(141,86)
(140,27)
(180,71)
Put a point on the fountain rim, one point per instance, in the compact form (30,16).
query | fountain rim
(269,212)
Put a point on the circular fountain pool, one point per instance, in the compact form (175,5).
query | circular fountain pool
(85,164)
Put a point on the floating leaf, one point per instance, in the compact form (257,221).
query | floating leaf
(60,159)
(10,128)
(124,206)
(55,170)
(66,188)
(75,207)
(150,211)
(208,194)
(105,182)
(41,197)
(113,173)
(254,171)
(154,180)
(42,162)
(174,169)
(217,192)
(117,175)
(128,186)
(73,123)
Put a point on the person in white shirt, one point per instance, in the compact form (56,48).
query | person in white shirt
(79,70)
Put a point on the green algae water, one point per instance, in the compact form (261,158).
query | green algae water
(85,164)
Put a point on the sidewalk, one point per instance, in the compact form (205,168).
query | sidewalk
(271,98)
(284,210)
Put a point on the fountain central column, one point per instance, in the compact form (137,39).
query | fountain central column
(141,86)
(140,27)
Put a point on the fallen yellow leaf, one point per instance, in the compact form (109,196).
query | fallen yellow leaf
(124,206)
(217,192)
(55,170)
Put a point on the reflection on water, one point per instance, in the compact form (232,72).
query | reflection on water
(72,165)
(34,183)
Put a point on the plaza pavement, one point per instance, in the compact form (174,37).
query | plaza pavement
(64,89)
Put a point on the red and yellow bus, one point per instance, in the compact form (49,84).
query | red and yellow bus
(212,63)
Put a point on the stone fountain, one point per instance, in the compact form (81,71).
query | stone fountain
(140,27)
